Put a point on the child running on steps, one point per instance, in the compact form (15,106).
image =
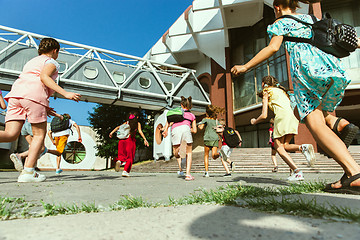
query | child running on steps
(312,71)
(211,138)
(127,145)
(227,149)
(285,124)
(181,131)
(29,99)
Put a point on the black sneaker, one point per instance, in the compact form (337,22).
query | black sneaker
(227,175)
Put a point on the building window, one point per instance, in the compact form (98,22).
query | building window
(63,66)
(144,82)
(119,77)
(90,72)
(169,86)
(74,152)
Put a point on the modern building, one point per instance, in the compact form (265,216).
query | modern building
(213,35)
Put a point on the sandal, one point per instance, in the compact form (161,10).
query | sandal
(275,169)
(347,134)
(345,188)
(189,178)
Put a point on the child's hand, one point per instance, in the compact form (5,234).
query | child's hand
(165,133)
(146,143)
(50,111)
(253,121)
(72,96)
(110,135)
(238,69)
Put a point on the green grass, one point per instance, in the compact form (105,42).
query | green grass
(272,200)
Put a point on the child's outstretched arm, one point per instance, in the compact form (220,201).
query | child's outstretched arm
(45,77)
(78,131)
(51,137)
(112,132)
(2,102)
(165,128)
(239,137)
(264,112)
(142,135)
(264,54)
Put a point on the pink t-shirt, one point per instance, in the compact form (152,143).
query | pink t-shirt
(29,85)
(187,115)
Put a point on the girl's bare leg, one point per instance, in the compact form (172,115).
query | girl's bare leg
(273,157)
(214,153)
(39,131)
(176,149)
(206,158)
(188,158)
(279,146)
(332,144)
(12,131)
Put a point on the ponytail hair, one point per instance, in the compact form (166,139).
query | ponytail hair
(186,102)
(213,111)
(133,122)
(271,81)
(292,4)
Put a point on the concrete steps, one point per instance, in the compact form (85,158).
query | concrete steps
(250,161)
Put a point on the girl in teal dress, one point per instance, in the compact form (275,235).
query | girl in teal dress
(319,84)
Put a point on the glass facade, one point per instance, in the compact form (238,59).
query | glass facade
(245,43)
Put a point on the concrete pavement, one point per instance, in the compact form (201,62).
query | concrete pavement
(180,222)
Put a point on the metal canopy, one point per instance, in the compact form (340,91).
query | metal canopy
(104,76)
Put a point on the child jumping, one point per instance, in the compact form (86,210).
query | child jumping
(312,71)
(127,146)
(29,99)
(211,138)
(285,125)
(226,150)
(181,131)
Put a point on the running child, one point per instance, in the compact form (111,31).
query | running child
(127,146)
(181,131)
(29,99)
(211,138)
(226,147)
(312,71)
(285,125)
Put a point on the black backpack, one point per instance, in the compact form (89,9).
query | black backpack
(58,125)
(230,137)
(329,35)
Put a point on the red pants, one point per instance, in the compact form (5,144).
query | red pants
(126,152)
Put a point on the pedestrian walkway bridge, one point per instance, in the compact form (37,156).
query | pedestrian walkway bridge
(104,76)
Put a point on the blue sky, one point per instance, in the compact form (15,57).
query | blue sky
(126,26)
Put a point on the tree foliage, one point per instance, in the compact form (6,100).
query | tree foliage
(106,117)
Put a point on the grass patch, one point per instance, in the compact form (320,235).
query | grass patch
(53,210)
(129,202)
(13,208)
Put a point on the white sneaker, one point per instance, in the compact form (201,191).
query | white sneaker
(17,162)
(308,151)
(33,176)
(125,174)
(181,173)
(296,176)
(206,174)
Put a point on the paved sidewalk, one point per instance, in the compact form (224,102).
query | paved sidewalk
(184,222)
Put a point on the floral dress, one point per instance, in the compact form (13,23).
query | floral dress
(318,78)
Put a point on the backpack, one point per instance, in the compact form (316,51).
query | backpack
(58,125)
(123,132)
(176,115)
(231,138)
(329,35)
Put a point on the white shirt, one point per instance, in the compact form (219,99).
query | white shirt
(64,132)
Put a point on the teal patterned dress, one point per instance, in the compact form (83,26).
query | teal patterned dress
(318,78)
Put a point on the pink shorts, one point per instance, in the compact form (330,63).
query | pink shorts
(20,109)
